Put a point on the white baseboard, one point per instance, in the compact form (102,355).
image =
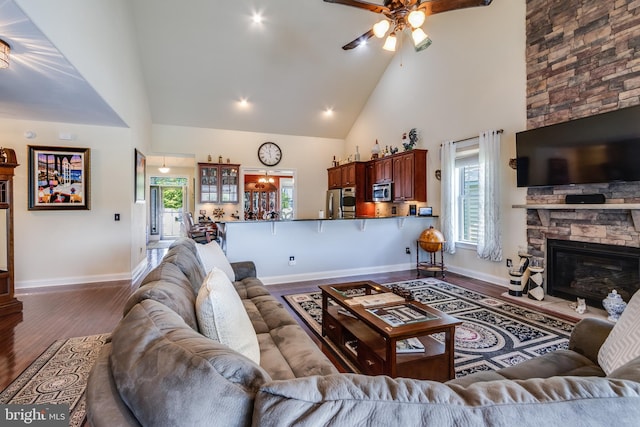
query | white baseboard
(140,270)
(496,280)
(22,286)
(272,280)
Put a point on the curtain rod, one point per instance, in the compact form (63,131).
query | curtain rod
(473,137)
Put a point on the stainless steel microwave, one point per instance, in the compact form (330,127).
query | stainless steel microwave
(382,192)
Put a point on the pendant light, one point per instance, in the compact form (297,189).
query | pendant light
(164,168)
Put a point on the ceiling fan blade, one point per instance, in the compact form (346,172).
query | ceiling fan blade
(438,6)
(366,36)
(362,5)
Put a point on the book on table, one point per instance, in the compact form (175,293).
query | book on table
(375,299)
(402,314)
(409,345)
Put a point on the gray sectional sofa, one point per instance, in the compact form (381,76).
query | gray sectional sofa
(160,370)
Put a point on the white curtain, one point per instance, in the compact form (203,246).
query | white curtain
(489,236)
(448,197)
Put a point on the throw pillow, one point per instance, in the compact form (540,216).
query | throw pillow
(623,343)
(223,318)
(211,255)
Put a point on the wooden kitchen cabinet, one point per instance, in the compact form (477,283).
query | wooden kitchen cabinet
(219,183)
(383,170)
(349,175)
(335,177)
(410,176)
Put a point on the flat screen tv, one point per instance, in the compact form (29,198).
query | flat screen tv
(597,149)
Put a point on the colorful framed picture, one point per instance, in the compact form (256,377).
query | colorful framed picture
(59,178)
(140,173)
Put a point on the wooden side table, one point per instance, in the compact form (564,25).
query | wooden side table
(432,265)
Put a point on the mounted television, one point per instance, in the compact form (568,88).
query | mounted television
(597,149)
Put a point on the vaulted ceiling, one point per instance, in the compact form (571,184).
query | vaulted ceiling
(201,58)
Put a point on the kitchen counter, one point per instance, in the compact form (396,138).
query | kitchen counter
(253,221)
(314,248)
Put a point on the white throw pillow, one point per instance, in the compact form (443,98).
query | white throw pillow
(222,316)
(623,343)
(211,255)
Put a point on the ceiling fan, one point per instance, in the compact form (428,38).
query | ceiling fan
(404,14)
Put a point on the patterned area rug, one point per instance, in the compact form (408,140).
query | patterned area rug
(494,334)
(58,376)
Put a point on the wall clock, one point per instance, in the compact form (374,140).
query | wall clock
(269,154)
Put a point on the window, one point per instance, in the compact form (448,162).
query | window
(467,194)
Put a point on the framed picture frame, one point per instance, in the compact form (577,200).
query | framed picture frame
(140,174)
(59,178)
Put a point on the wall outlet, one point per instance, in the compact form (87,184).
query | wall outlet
(509,263)
(407,250)
(292,260)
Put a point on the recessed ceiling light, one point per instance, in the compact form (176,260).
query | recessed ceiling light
(328,112)
(257,18)
(243,103)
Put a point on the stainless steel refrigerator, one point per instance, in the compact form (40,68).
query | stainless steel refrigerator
(333,208)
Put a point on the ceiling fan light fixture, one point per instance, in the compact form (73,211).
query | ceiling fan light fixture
(421,40)
(416,18)
(164,168)
(381,28)
(5,50)
(390,43)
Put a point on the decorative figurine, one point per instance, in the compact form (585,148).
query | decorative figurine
(614,304)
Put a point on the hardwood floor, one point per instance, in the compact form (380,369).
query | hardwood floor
(53,314)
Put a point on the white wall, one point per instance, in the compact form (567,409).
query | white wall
(465,82)
(67,247)
(309,157)
(325,249)
(102,30)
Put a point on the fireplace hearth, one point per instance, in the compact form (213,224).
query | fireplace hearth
(591,270)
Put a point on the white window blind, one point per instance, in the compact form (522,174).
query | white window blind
(468,192)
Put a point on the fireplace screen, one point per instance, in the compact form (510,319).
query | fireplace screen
(591,270)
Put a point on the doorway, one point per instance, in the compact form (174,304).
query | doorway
(168,204)
(269,194)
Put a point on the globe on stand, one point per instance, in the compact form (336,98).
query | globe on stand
(431,241)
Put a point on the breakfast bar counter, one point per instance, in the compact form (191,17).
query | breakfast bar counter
(314,248)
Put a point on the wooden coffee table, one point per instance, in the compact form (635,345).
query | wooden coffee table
(370,341)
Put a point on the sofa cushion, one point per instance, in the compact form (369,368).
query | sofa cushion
(187,261)
(185,242)
(353,400)
(222,317)
(169,374)
(623,343)
(179,298)
(556,363)
(101,388)
(167,284)
(211,255)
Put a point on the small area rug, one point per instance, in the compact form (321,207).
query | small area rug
(58,376)
(494,333)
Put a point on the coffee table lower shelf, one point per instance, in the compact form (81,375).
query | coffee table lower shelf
(369,351)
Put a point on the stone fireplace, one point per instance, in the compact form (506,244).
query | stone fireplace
(591,270)
(587,250)
(581,60)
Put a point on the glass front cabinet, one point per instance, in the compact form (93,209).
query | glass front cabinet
(8,303)
(219,183)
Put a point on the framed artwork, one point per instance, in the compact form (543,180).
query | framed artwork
(140,173)
(59,178)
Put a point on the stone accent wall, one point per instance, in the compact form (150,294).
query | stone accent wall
(583,58)
(609,227)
